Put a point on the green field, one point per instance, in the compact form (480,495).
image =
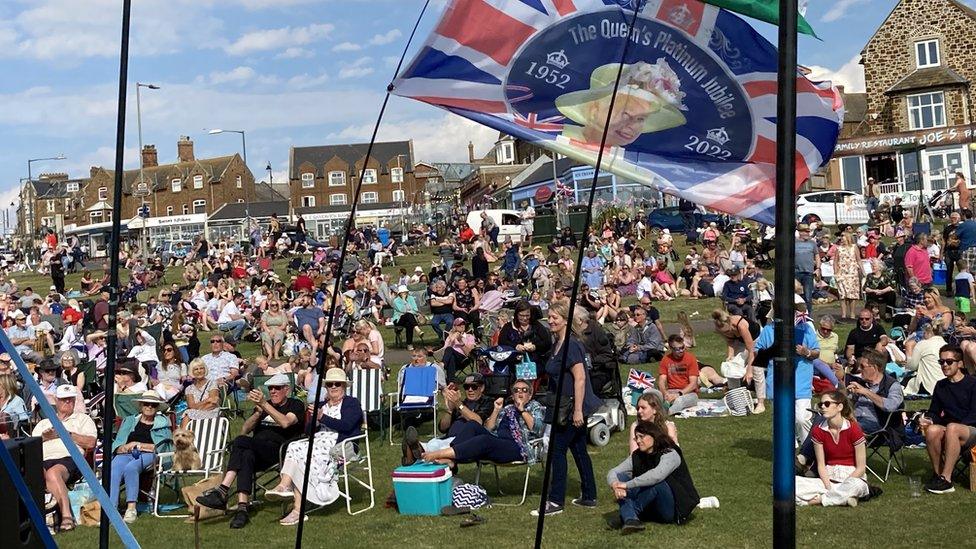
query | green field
(730,458)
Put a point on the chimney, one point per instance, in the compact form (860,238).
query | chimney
(184,149)
(149,158)
(471,152)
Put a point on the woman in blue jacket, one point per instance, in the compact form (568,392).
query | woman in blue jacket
(139,439)
(340,419)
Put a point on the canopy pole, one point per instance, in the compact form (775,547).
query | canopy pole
(784,394)
(114,249)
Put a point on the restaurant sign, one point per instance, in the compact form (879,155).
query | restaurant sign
(889,143)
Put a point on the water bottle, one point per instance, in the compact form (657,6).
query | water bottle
(711,502)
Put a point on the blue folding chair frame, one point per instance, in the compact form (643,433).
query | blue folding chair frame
(417,381)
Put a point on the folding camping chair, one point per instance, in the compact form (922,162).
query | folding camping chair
(210,438)
(539,445)
(882,439)
(125,405)
(417,392)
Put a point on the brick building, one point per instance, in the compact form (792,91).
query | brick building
(322,180)
(911,130)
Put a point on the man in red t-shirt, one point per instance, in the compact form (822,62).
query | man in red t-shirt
(303,282)
(678,376)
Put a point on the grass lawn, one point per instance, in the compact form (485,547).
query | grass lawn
(730,458)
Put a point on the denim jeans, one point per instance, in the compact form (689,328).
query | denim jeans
(128,468)
(648,503)
(573,439)
(806,279)
(441,318)
(235,327)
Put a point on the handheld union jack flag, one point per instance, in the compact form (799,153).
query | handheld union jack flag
(639,380)
(695,112)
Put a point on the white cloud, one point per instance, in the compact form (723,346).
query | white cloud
(356,69)
(840,9)
(850,75)
(386,38)
(283,38)
(346,46)
(436,139)
(295,53)
(306,81)
(239,74)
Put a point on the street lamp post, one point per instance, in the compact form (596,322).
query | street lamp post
(142,178)
(28,206)
(403,228)
(247,200)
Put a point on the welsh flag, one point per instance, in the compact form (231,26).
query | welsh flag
(764,10)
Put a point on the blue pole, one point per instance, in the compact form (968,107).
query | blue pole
(784,413)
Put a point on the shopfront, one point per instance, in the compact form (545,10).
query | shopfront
(905,165)
(172,228)
(94,238)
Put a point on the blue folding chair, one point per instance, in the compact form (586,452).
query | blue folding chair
(417,392)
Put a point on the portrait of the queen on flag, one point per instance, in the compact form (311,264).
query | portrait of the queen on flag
(694,114)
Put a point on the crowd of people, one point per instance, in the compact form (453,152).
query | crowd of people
(481,292)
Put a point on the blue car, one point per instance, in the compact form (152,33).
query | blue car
(670,218)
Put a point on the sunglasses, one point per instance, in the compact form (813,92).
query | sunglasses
(945,361)
(150,405)
(276,387)
(825,403)
(678,349)
(333,384)
(866,318)
(216,341)
(520,390)
(169,349)
(471,386)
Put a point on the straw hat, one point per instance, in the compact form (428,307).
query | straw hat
(335,375)
(152,397)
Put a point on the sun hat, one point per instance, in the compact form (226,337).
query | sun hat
(655,84)
(66,391)
(49,365)
(129,368)
(152,397)
(351,294)
(402,289)
(336,375)
(278,380)
(17,314)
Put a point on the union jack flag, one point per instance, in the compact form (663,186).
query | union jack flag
(513,65)
(639,380)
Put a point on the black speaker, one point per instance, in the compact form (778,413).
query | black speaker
(16,529)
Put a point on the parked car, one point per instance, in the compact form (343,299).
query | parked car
(670,218)
(832,207)
(174,249)
(509,223)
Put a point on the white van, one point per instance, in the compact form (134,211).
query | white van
(509,223)
(832,207)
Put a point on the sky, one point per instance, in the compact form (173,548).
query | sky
(287,72)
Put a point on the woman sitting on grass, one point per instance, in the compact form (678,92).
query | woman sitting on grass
(650,409)
(653,483)
(839,446)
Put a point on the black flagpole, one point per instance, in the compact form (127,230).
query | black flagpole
(108,409)
(584,238)
(323,352)
(784,413)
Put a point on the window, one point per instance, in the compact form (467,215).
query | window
(240,182)
(50,206)
(176,185)
(169,210)
(369,177)
(197,182)
(398,196)
(199,206)
(186,209)
(308,180)
(926,110)
(396,175)
(370,198)
(308,201)
(337,199)
(337,179)
(72,186)
(505,153)
(103,193)
(47,221)
(95,217)
(927,54)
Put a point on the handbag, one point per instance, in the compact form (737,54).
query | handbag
(526,369)
(191,492)
(564,415)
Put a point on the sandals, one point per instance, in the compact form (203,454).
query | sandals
(291,519)
(67,524)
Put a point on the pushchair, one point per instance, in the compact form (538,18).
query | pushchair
(497,365)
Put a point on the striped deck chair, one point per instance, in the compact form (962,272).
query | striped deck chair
(210,438)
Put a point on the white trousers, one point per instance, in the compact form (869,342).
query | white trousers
(842,487)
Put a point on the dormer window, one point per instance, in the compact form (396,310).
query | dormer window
(505,153)
(927,54)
